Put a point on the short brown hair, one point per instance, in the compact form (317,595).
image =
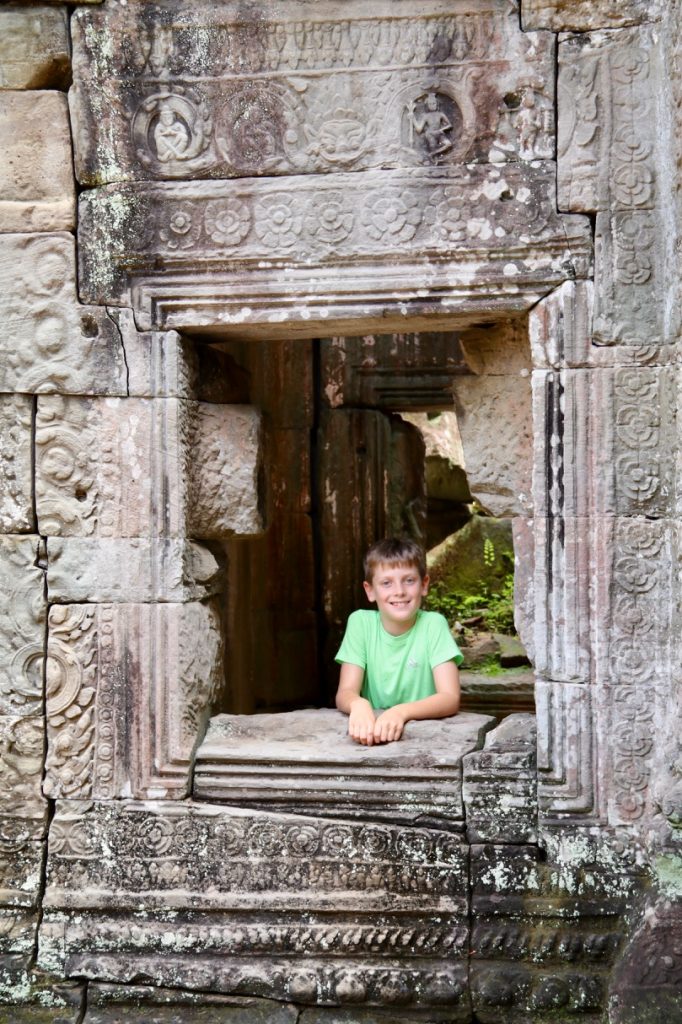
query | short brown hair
(397,551)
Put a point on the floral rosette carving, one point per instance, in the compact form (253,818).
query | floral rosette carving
(333,221)
(278,224)
(392,217)
(227,221)
(450,217)
(182,228)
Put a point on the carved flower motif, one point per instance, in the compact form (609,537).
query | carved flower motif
(635,575)
(638,426)
(181,230)
(277,224)
(333,222)
(450,222)
(633,268)
(392,217)
(155,835)
(629,63)
(639,483)
(303,840)
(633,184)
(227,221)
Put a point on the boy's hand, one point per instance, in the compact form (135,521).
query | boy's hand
(389,725)
(361,722)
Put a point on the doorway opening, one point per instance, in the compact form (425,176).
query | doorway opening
(346,432)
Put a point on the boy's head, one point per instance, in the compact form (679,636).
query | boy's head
(396,552)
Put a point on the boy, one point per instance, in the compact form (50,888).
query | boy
(398,662)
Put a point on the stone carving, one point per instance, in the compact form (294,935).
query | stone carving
(533,961)
(159,364)
(49,342)
(567,780)
(34,48)
(499,784)
(108,1004)
(255,761)
(16,426)
(526,129)
(129,691)
(21,764)
(22,627)
(400,217)
(613,80)
(299,93)
(36,184)
(366,887)
(585,15)
(121,468)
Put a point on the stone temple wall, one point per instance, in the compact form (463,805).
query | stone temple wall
(178,173)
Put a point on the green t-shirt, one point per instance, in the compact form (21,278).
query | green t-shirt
(397,668)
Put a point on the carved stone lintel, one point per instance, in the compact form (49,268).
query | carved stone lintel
(129,692)
(374,271)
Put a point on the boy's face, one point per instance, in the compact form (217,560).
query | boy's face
(398,592)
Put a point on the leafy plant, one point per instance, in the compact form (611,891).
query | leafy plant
(496,610)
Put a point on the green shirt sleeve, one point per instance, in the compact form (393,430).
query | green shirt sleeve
(353,647)
(442,646)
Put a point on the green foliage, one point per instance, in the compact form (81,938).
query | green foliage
(497,609)
(488,552)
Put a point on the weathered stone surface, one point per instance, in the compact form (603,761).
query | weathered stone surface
(135,1004)
(311,90)
(544,936)
(506,694)
(567,780)
(37,190)
(22,741)
(16,472)
(612,79)
(113,468)
(328,904)
(647,982)
(305,761)
(138,569)
(585,15)
(498,462)
(445,476)
(49,342)
(158,364)
(22,627)
(499,785)
(226,464)
(129,692)
(166,225)
(34,47)
(28,996)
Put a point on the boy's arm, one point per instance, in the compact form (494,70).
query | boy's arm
(359,710)
(444,702)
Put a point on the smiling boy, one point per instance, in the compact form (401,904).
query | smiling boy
(398,662)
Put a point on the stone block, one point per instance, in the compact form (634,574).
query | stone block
(159,364)
(544,937)
(226,463)
(499,785)
(139,468)
(569,783)
(500,262)
(137,1004)
(49,342)
(137,569)
(16,470)
(299,909)
(129,692)
(28,996)
(338,88)
(305,762)
(498,462)
(22,627)
(647,981)
(22,754)
(611,150)
(34,47)
(586,15)
(37,190)
(499,696)
(21,870)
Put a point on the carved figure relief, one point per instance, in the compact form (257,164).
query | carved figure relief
(431,122)
(526,128)
(171,130)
